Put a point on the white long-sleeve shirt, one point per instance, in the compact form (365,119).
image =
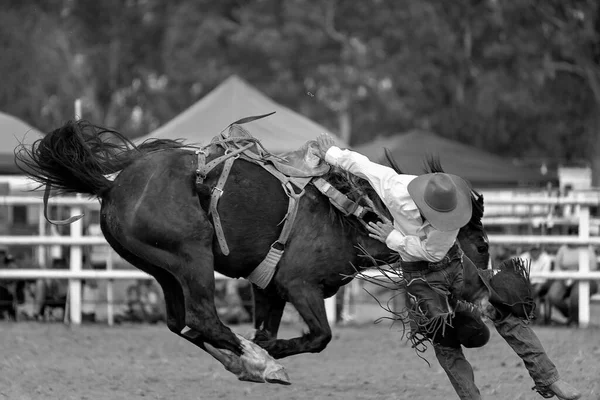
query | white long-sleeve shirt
(412,238)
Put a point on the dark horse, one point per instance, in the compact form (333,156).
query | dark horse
(155,216)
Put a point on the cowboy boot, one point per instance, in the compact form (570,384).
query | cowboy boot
(560,389)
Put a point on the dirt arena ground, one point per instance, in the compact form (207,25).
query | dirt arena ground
(53,361)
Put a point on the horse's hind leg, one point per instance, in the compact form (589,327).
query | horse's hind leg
(189,293)
(308,301)
(246,360)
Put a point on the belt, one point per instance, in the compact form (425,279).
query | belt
(454,253)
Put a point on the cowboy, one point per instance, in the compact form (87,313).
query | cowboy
(428,212)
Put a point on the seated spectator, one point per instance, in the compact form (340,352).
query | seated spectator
(564,294)
(540,261)
(12,292)
(229,304)
(51,294)
(144,303)
(135,308)
(150,300)
(8,309)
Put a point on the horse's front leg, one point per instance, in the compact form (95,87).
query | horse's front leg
(308,301)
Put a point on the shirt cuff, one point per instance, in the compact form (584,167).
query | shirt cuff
(332,155)
(394,240)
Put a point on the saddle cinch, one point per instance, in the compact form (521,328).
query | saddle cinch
(294,169)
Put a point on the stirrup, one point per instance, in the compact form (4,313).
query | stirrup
(544,391)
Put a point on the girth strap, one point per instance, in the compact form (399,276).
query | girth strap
(262,275)
(216,194)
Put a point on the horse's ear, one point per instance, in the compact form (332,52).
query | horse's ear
(390,159)
(433,164)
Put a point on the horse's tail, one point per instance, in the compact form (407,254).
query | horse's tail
(76,158)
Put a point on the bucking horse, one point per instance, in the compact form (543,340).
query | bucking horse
(289,223)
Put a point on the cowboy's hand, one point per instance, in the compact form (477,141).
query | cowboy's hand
(324,141)
(380,230)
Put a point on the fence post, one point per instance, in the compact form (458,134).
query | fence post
(110,313)
(330,309)
(41,250)
(75,266)
(584,266)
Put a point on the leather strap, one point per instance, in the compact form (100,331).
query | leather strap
(200,175)
(261,276)
(216,194)
(204,169)
(338,199)
(250,119)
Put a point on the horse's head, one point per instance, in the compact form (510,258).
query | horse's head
(472,237)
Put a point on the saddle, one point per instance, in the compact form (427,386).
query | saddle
(295,170)
(301,163)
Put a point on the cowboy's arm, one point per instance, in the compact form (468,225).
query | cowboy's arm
(380,177)
(433,248)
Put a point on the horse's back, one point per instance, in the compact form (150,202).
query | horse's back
(154,198)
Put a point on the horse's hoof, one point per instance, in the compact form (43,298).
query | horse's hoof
(251,378)
(261,338)
(278,376)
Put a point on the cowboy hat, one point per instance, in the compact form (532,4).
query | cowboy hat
(443,199)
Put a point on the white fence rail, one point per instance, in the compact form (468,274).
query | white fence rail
(75,241)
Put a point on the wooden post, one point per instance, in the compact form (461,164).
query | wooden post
(75,266)
(41,250)
(76,253)
(584,266)
(110,315)
(330,308)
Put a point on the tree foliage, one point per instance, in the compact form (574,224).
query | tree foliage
(520,78)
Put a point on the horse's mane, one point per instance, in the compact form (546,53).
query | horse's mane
(358,190)
(432,165)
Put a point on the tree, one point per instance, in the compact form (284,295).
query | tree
(38,65)
(573,32)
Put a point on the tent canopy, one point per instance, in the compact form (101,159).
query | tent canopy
(482,169)
(234,99)
(13,132)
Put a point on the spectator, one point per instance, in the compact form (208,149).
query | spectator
(564,294)
(135,308)
(150,301)
(144,303)
(12,292)
(540,261)
(229,303)
(51,294)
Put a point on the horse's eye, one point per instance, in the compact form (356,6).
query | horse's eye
(482,249)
